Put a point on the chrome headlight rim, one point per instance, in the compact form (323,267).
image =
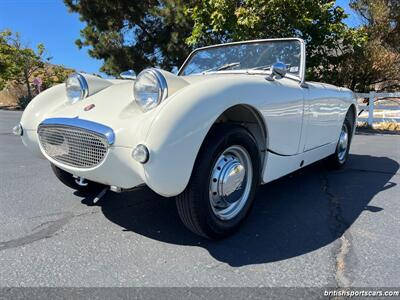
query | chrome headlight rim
(161,85)
(83,85)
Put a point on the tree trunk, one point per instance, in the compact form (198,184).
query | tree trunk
(28,86)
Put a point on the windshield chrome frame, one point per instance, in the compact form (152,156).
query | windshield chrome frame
(300,78)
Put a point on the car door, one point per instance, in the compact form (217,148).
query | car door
(322,114)
(283,114)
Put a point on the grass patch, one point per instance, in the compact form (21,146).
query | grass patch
(380,127)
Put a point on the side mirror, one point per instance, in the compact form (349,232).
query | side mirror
(278,71)
(130,74)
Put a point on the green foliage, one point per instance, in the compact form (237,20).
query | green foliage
(19,62)
(19,65)
(138,34)
(358,58)
(134,34)
(319,22)
(380,54)
(7,53)
(381,19)
(23,101)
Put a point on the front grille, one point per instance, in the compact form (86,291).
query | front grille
(73,146)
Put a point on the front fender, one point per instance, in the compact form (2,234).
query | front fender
(47,101)
(180,127)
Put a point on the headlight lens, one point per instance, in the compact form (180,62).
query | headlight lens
(77,87)
(150,89)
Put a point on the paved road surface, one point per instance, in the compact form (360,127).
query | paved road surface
(313,228)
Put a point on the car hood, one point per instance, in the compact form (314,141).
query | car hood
(113,106)
(175,83)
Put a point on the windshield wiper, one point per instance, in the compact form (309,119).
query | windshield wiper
(223,67)
(266,67)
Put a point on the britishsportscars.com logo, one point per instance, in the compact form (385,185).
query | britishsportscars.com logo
(361,293)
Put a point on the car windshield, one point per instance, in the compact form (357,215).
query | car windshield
(259,55)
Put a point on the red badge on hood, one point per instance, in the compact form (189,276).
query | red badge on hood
(89,107)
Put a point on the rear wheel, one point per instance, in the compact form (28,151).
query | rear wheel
(222,187)
(341,155)
(69,180)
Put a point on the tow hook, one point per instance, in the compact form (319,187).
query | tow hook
(81,181)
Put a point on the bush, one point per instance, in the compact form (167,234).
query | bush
(23,101)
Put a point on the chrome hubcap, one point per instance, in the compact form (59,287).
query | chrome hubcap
(343,143)
(230,182)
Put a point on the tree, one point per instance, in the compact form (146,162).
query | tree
(381,18)
(319,22)
(358,58)
(7,64)
(20,65)
(381,51)
(19,62)
(134,34)
(137,34)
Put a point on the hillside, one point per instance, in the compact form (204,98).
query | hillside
(49,75)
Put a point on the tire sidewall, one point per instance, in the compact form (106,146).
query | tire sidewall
(349,131)
(216,146)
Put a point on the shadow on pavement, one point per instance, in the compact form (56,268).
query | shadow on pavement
(294,215)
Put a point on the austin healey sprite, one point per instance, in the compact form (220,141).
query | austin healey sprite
(234,116)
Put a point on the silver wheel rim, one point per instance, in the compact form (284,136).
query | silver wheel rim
(230,182)
(343,144)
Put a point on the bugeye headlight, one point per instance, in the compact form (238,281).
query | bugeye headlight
(77,87)
(150,89)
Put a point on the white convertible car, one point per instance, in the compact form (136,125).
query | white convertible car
(235,116)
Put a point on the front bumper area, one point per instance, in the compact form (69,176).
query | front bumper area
(116,168)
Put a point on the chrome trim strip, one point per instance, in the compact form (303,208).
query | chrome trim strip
(130,74)
(85,124)
(82,83)
(161,81)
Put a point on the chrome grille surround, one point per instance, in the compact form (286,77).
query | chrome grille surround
(75,142)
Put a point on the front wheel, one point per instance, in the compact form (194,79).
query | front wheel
(222,187)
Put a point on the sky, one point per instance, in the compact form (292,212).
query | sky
(50,23)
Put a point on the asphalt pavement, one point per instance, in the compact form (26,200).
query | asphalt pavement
(315,227)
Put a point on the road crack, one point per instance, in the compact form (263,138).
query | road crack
(338,227)
(341,277)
